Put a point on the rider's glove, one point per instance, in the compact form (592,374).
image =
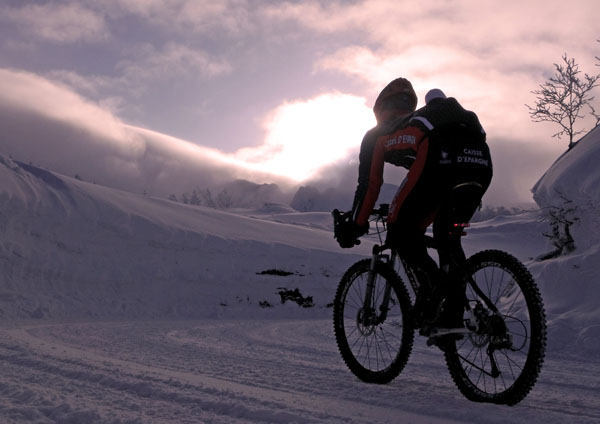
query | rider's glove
(347,241)
(346,231)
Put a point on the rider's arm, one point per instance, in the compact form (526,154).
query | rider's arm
(403,144)
(367,148)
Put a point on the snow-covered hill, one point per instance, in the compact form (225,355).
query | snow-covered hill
(575,176)
(573,182)
(70,248)
(570,192)
(118,307)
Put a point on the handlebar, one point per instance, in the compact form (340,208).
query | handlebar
(382,211)
(341,219)
(380,214)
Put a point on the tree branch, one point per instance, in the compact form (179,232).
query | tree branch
(562,98)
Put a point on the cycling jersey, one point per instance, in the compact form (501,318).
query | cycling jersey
(442,137)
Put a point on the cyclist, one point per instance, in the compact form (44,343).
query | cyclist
(449,166)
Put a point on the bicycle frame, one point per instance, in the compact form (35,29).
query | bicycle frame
(377,255)
(486,314)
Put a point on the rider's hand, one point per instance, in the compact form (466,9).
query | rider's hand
(361,230)
(348,232)
(347,242)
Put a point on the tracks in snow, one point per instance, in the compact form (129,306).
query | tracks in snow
(245,371)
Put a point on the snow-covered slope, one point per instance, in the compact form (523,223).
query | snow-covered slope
(573,182)
(570,189)
(139,309)
(575,175)
(71,248)
(74,249)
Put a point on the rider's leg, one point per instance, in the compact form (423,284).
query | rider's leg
(407,239)
(451,252)
(458,208)
(413,209)
(405,234)
(409,243)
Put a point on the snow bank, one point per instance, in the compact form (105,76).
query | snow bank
(571,188)
(573,181)
(74,249)
(71,248)
(575,174)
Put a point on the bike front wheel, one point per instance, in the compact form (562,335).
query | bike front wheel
(374,338)
(500,360)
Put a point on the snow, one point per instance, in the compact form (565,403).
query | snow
(574,174)
(573,182)
(124,308)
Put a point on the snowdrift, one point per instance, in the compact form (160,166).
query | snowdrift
(571,188)
(71,249)
(575,175)
(74,249)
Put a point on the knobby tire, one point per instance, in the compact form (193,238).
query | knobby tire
(521,306)
(374,353)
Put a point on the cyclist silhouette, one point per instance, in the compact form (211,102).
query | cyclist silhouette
(444,148)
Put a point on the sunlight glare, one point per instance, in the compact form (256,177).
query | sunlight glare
(304,136)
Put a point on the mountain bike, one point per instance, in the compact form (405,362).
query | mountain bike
(496,357)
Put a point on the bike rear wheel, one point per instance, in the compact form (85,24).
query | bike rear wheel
(375,343)
(501,360)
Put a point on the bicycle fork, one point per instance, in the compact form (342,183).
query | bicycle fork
(370,316)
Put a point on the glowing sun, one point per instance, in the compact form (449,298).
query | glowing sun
(303,136)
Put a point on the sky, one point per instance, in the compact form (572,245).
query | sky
(162,96)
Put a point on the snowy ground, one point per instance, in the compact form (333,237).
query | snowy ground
(255,370)
(121,308)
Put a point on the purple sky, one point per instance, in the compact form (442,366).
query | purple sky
(156,94)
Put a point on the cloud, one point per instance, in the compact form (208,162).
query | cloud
(226,17)
(51,126)
(145,66)
(77,20)
(304,135)
(488,57)
(517,167)
(315,139)
(239,59)
(147,72)
(398,24)
(173,61)
(58,23)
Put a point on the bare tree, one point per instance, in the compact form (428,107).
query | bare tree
(207,198)
(562,98)
(561,218)
(225,200)
(596,115)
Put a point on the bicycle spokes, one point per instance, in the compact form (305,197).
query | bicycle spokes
(500,359)
(499,349)
(370,324)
